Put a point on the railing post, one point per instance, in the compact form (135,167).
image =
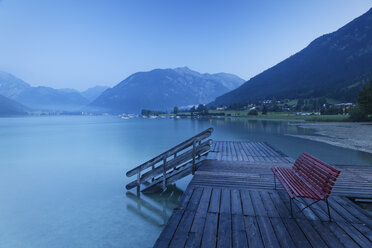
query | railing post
(199,143)
(193,157)
(152,169)
(138,182)
(164,171)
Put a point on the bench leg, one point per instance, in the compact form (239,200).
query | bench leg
(290,200)
(329,212)
(274,182)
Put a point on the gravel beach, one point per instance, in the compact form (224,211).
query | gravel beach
(357,136)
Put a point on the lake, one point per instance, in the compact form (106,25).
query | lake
(62,179)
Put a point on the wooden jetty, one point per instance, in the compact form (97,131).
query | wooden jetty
(231,202)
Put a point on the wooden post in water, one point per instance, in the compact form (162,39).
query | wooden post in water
(164,171)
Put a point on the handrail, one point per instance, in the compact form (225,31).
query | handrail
(205,134)
(190,149)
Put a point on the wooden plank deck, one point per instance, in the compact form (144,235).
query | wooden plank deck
(230,202)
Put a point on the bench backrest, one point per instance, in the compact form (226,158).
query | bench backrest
(319,175)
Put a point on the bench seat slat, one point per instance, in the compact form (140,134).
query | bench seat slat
(323,165)
(325,186)
(303,162)
(299,187)
(322,175)
(283,183)
(319,184)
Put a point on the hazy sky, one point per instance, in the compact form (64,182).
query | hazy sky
(79,44)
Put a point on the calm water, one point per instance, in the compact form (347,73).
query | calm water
(62,179)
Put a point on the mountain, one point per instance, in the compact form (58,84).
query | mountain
(40,98)
(335,65)
(162,89)
(9,107)
(94,92)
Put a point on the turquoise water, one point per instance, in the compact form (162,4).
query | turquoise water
(62,179)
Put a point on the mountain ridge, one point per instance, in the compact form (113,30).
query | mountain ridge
(46,98)
(334,65)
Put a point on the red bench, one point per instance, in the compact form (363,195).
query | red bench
(309,177)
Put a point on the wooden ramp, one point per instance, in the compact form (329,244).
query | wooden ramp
(230,202)
(171,165)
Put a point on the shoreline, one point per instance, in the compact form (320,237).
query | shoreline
(350,135)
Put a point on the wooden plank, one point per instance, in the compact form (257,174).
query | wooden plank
(247,203)
(355,234)
(239,238)
(210,231)
(298,237)
(224,238)
(214,206)
(169,230)
(342,211)
(248,152)
(180,236)
(364,229)
(253,233)
(225,201)
(317,208)
(195,199)
(354,209)
(201,212)
(257,204)
(279,205)
(185,198)
(281,232)
(344,238)
(238,222)
(268,204)
(327,235)
(267,232)
(312,235)
(236,205)
(242,154)
(193,240)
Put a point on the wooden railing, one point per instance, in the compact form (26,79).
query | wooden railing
(157,169)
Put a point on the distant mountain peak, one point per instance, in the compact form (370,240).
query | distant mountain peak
(92,93)
(162,89)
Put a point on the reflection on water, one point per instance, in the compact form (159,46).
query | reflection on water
(62,179)
(155,208)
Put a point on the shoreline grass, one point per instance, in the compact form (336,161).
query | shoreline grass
(273,116)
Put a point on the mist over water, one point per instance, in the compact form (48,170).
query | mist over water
(62,179)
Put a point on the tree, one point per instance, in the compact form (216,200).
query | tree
(356,114)
(365,99)
(202,109)
(253,112)
(192,110)
(299,104)
(175,110)
(264,110)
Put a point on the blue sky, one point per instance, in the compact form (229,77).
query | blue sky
(79,44)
